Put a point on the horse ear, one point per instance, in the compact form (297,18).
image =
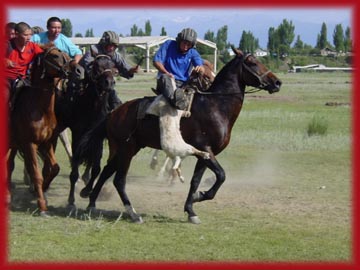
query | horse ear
(237,51)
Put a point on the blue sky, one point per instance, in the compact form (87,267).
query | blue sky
(307,21)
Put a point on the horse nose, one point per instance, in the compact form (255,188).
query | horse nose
(110,83)
(278,84)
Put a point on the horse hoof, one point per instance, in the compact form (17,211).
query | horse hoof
(85,193)
(44,214)
(194,220)
(137,220)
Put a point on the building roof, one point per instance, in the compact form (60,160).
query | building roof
(144,42)
(141,41)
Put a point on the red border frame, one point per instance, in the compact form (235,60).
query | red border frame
(353,264)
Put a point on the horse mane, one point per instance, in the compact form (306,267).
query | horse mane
(46,46)
(221,81)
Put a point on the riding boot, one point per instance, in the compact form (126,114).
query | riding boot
(179,100)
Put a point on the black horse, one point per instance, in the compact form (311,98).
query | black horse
(208,129)
(80,110)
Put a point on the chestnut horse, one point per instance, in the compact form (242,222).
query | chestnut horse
(32,121)
(82,109)
(209,128)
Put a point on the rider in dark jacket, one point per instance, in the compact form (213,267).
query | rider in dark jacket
(108,45)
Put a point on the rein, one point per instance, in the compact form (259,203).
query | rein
(260,78)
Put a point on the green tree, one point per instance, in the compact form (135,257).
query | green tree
(338,38)
(209,35)
(163,31)
(322,38)
(273,42)
(89,33)
(78,35)
(286,35)
(348,40)
(134,30)
(248,43)
(221,39)
(66,27)
(148,28)
(299,44)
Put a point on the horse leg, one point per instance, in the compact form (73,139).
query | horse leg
(106,173)
(219,172)
(32,166)
(86,175)
(199,170)
(10,169)
(95,170)
(154,159)
(74,175)
(64,138)
(119,183)
(51,167)
(198,196)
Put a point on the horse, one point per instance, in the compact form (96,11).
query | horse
(33,121)
(200,81)
(213,115)
(81,109)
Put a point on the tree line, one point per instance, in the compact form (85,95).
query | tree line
(281,40)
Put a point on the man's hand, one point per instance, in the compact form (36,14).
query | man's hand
(199,69)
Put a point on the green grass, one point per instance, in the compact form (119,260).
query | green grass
(287,196)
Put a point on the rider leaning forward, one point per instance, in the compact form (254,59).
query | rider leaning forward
(174,60)
(108,46)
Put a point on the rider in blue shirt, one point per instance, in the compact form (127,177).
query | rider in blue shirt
(54,35)
(174,60)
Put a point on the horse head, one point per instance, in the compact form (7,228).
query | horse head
(256,74)
(51,64)
(102,73)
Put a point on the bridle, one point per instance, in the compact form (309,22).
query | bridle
(62,69)
(262,83)
(95,78)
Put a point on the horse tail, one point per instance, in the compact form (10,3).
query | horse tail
(91,144)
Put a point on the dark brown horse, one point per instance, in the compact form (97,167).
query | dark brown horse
(81,110)
(32,121)
(209,128)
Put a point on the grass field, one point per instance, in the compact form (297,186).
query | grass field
(287,196)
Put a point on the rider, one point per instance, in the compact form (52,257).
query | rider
(10,30)
(107,46)
(20,53)
(54,35)
(174,60)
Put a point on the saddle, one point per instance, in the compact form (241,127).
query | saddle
(15,88)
